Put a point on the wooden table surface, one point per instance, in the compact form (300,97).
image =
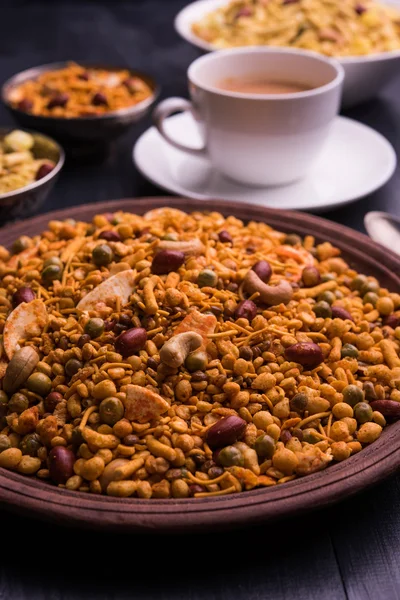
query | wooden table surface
(351,550)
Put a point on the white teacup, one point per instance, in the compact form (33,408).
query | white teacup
(259,139)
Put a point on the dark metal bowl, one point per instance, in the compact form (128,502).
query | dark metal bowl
(24,202)
(80,135)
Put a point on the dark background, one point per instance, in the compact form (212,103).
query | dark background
(349,551)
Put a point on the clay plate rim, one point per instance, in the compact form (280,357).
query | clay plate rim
(32,497)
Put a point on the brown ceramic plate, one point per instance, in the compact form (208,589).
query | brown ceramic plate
(35,498)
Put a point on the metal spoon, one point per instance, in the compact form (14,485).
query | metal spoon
(384,228)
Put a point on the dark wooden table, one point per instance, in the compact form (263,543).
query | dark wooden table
(351,550)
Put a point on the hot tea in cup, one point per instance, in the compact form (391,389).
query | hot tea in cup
(257,84)
(264,113)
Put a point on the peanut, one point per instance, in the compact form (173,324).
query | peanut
(121,489)
(10,459)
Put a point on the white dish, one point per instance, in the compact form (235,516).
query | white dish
(355,161)
(365,75)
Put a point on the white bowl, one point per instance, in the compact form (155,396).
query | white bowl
(365,76)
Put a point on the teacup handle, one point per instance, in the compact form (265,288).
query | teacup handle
(164,110)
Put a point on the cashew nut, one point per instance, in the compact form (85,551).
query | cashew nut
(175,351)
(190,247)
(269,294)
(19,368)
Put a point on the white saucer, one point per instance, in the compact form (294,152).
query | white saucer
(355,161)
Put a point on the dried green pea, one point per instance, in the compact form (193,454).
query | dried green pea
(370,287)
(54,260)
(327,277)
(72,366)
(196,361)
(310,436)
(322,310)
(265,446)
(102,255)
(327,296)
(20,244)
(51,273)
(111,410)
(363,412)
(352,394)
(349,351)
(30,444)
(39,383)
(207,278)
(298,403)
(358,282)
(230,456)
(292,239)
(18,403)
(94,327)
(370,298)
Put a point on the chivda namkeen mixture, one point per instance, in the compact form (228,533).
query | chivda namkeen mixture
(18,165)
(77,91)
(180,355)
(333,27)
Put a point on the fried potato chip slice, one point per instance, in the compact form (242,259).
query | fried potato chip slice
(27,320)
(120,285)
(198,322)
(143,405)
